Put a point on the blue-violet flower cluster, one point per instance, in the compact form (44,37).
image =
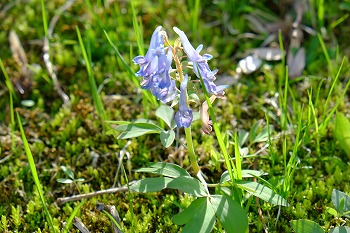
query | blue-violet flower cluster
(155,68)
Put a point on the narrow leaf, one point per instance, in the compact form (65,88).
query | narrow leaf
(64,180)
(165,169)
(253,131)
(242,137)
(306,226)
(150,184)
(262,192)
(263,135)
(188,185)
(245,174)
(342,132)
(231,215)
(68,172)
(35,173)
(167,138)
(137,129)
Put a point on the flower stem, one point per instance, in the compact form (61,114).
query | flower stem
(190,150)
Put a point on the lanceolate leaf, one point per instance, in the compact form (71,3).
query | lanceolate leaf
(65,180)
(263,135)
(150,184)
(198,217)
(137,129)
(245,174)
(188,185)
(262,192)
(165,169)
(342,132)
(68,172)
(306,226)
(231,215)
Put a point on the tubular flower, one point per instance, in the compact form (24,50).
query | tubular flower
(184,116)
(200,64)
(155,68)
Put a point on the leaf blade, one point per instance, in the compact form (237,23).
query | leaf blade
(150,184)
(231,215)
(165,169)
(306,226)
(262,192)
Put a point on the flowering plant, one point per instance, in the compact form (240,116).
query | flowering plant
(169,84)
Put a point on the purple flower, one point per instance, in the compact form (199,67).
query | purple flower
(155,68)
(184,116)
(200,64)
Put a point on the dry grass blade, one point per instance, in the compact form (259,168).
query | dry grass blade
(296,63)
(23,83)
(46,51)
(268,54)
(17,49)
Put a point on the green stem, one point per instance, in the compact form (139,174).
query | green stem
(190,150)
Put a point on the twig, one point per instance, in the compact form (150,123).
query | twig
(5,158)
(63,200)
(80,225)
(55,18)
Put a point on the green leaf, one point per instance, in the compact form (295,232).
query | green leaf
(65,180)
(245,174)
(342,229)
(166,113)
(68,172)
(341,201)
(198,217)
(332,211)
(231,215)
(167,138)
(71,217)
(35,173)
(262,192)
(263,135)
(188,185)
(342,132)
(306,226)
(165,169)
(137,129)
(253,131)
(150,184)
(242,137)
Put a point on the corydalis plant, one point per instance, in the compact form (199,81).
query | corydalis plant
(155,68)
(166,84)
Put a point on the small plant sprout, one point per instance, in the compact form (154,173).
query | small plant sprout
(170,84)
(71,177)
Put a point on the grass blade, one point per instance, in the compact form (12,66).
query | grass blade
(71,217)
(95,96)
(34,173)
(12,113)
